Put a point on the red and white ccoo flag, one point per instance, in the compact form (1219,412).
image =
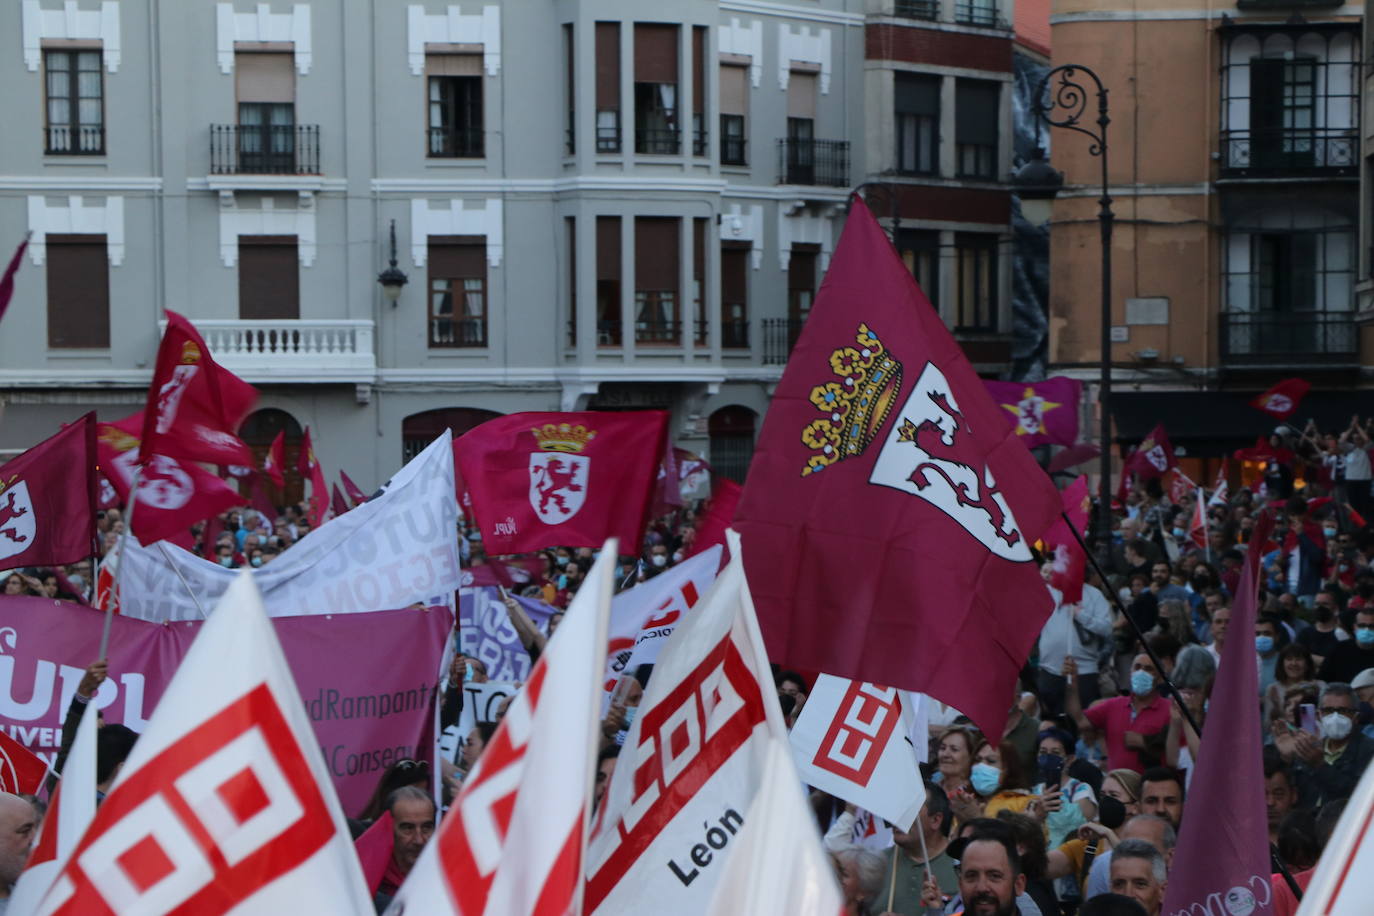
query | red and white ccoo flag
(21,770)
(693,762)
(225,803)
(513,842)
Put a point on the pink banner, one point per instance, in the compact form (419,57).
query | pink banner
(366,679)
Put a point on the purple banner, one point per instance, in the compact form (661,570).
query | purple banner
(486,632)
(366,679)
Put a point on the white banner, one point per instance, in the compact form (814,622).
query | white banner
(1340,886)
(853,741)
(643,617)
(693,762)
(394,550)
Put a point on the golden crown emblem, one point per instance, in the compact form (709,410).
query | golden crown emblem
(855,406)
(5,484)
(118,439)
(190,353)
(563,437)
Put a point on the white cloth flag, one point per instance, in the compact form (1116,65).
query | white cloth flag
(392,551)
(225,803)
(643,617)
(778,866)
(692,764)
(853,741)
(71,811)
(1341,884)
(512,844)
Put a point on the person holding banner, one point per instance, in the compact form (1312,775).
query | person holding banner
(906,868)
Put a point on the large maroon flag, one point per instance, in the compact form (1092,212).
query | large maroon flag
(570,479)
(172,494)
(1154,457)
(7,280)
(1223,846)
(309,467)
(1040,412)
(1281,401)
(889,510)
(48,500)
(195,406)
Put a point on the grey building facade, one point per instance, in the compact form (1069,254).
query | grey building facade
(605,204)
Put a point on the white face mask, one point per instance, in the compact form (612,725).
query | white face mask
(660,560)
(1336,727)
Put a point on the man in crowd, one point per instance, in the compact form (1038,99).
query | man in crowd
(1221,620)
(1279,793)
(412,824)
(1267,647)
(18,824)
(1327,768)
(1352,656)
(1325,634)
(1134,726)
(1138,871)
(1079,630)
(1161,794)
(1156,831)
(1161,583)
(906,859)
(990,877)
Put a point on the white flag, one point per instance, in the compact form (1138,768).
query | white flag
(853,740)
(70,813)
(692,764)
(778,866)
(225,803)
(1340,886)
(392,551)
(512,844)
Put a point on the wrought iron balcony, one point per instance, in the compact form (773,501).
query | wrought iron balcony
(1289,338)
(813,162)
(455,143)
(292,350)
(779,337)
(734,335)
(63,140)
(916,9)
(1275,153)
(658,141)
(264,149)
(662,332)
(457,332)
(976,12)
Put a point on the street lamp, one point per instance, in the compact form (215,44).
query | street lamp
(393,278)
(1065,104)
(1037,184)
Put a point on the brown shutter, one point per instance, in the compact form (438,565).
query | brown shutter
(655,53)
(264,77)
(269,278)
(656,253)
(734,275)
(608,66)
(801,95)
(699,249)
(608,248)
(78,271)
(698,69)
(801,268)
(734,91)
(453,65)
(454,256)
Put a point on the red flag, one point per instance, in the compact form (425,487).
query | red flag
(1263,451)
(1040,412)
(337,504)
(21,770)
(355,495)
(572,479)
(725,494)
(7,281)
(1154,457)
(1179,486)
(48,500)
(262,503)
(310,469)
(275,459)
(194,405)
(1069,560)
(1281,401)
(889,511)
(172,495)
(375,846)
(1197,529)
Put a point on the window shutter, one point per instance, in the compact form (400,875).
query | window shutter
(453,64)
(608,66)
(801,95)
(917,94)
(975,112)
(269,278)
(457,256)
(656,253)
(734,273)
(734,91)
(698,69)
(78,292)
(608,248)
(655,53)
(264,77)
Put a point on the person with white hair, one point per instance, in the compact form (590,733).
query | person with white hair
(1138,871)
(860,873)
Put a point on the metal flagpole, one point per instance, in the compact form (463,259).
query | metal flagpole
(119,566)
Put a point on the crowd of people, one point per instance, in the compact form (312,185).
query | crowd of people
(1076,806)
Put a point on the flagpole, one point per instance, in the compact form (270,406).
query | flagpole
(119,567)
(176,569)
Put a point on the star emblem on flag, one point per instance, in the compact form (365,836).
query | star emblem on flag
(1030,412)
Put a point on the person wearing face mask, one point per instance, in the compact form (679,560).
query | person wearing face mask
(1363,685)
(1328,767)
(1267,648)
(1134,726)
(1325,633)
(998,780)
(1351,657)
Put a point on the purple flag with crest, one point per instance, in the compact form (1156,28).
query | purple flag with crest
(1221,864)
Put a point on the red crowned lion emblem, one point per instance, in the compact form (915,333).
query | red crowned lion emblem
(10,515)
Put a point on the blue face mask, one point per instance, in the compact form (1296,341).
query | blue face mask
(1264,644)
(985,778)
(1180,534)
(561,561)
(1142,682)
(257,561)
(1364,636)
(630,712)
(562,582)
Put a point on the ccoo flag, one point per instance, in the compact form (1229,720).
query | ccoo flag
(890,510)
(572,479)
(1223,846)
(1040,412)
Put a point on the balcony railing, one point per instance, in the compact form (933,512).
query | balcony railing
(264,149)
(1294,338)
(917,9)
(292,350)
(457,332)
(455,143)
(658,332)
(657,141)
(734,335)
(1273,153)
(975,12)
(779,337)
(74,141)
(813,162)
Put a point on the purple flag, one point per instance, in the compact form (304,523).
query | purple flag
(1223,846)
(1040,412)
